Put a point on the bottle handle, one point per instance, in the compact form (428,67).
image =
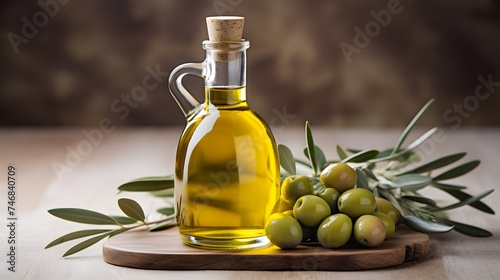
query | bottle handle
(184,99)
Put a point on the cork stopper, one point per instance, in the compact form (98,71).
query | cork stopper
(225,28)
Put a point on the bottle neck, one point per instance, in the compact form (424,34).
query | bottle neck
(225,72)
(234,96)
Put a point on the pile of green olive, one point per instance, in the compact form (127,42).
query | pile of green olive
(333,216)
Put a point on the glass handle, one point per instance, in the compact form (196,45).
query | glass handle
(184,99)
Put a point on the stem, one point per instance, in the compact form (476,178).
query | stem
(123,229)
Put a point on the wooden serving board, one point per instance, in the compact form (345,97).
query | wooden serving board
(165,250)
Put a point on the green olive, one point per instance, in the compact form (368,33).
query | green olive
(283,231)
(335,231)
(384,206)
(330,195)
(339,176)
(289,213)
(390,227)
(310,210)
(294,187)
(356,202)
(369,231)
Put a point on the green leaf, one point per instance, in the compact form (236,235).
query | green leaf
(463,196)
(164,193)
(370,174)
(384,153)
(286,159)
(164,225)
(341,153)
(311,149)
(410,126)
(421,139)
(361,156)
(412,182)
(148,184)
(390,197)
(351,150)
(438,163)
(82,216)
(447,186)
(469,200)
(166,211)
(87,243)
(131,208)
(402,153)
(420,199)
(122,220)
(457,171)
(407,159)
(426,226)
(407,151)
(362,180)
(76,235)
(320,157)
(468,229)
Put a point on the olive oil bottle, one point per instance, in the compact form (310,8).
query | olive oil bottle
(227,170)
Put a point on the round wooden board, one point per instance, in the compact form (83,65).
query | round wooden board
(165,250)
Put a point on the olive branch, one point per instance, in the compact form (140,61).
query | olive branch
(387,174)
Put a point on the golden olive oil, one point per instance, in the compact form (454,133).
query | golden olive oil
(226,174)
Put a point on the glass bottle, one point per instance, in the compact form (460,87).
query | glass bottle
(227,171)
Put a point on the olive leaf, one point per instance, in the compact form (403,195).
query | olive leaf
(390,197)
(287,160)
(362,180)
(420,199)
(164,193)
(89,242)
(370,174)
(122,220)
(447,186)
(341,153)
(460,195)
(407,151)
(148,184)
(76,235)
(412,182)
(407,159)
(410,126)
(311,150)
(384,153)
(361,156)
(424,225)
(467,201)
(457,171)
(320,157)
(131,208)
(468,229)
(166,211)
(421,139)
(82,216)
(435,164)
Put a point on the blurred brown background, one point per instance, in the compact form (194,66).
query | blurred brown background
(83,56)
